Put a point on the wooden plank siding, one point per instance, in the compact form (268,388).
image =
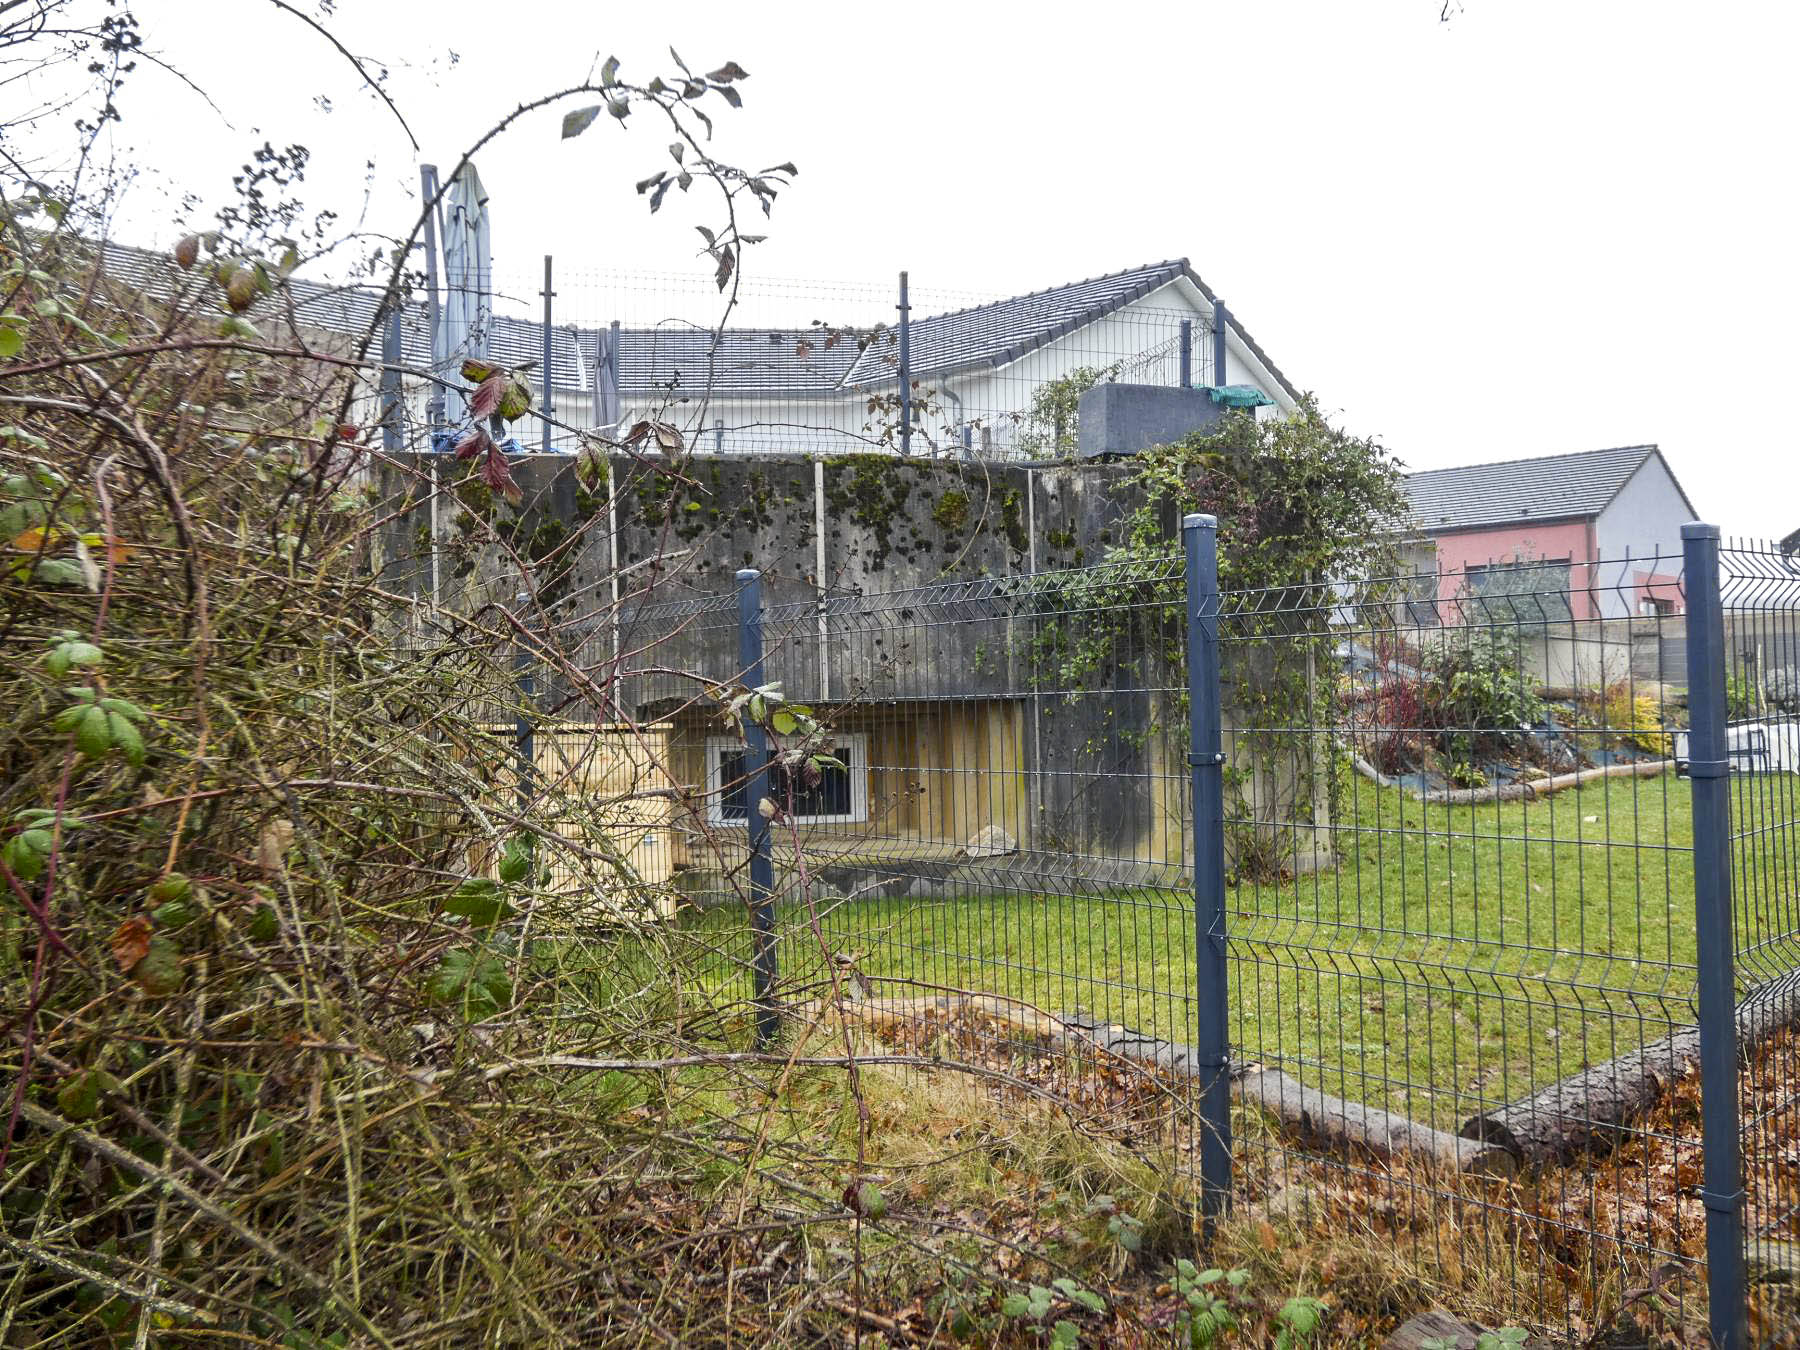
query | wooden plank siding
(595,779)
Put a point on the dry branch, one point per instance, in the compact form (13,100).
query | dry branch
(1314,1115)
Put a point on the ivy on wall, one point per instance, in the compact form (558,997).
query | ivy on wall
(1308,516)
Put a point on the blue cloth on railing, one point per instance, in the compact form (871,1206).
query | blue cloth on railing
(444,443)
(1238,395)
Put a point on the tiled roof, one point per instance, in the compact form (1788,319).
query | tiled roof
(992,335)
(745,361)
(683,357)
(1551,487)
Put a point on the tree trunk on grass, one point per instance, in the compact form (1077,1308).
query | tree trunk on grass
(1589,1109)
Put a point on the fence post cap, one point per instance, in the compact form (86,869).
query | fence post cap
(1198,522)
(746,575)
(1699,529)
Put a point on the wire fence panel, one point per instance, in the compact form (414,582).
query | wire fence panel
(1462,963)
(1462,905)
(811,367)
(789,366)
(1760,595)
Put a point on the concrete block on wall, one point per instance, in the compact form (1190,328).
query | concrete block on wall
(1122,419)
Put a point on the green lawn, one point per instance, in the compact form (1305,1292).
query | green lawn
(1453,957)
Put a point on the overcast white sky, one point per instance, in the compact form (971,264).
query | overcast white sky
(1547,225)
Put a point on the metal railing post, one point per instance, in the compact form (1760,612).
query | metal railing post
(549,408)
(1708,765)
(1221,319)
(756,788)
(1206,761)
(1186,378)
(392,410)
(524,730)
(905,370)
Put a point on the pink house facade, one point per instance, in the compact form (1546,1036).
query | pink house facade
(1601,527)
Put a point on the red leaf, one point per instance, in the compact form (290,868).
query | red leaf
(471,443)
(497,474)
(488,395)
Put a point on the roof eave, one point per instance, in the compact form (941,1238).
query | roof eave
(1564,518)
(1288,387)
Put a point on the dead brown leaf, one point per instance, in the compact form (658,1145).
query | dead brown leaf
(130,942)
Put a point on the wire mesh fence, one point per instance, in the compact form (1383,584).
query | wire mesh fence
(1456,932)
(795,366)
(1760,609)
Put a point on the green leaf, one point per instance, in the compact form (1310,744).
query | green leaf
(870,1201)
(578,121)
(784,722)
(1015,1305)
(609,73)
(126,738)
(1075,1293)
(515,861)
(22,859)
(79,1098)
(174,886)
(1301,1315)
(235,326)
(12,342)
(93,733)
(1065,1336)
(58,572)
(472,981)
(174,914)
(479,901)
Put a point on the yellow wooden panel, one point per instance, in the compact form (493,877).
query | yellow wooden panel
(595,783)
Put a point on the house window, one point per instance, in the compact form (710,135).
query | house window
(1655,607)
(841,796)
(1536,591)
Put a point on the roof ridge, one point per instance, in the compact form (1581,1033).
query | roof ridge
(1178,265)
(1648,447)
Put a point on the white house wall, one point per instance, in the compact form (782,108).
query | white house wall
(1643,521)
(1141,339)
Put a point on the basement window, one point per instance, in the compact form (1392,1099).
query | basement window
(840,797)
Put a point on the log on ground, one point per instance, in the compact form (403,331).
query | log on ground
(1588,1110)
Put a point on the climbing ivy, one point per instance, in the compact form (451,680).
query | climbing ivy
(1307,512)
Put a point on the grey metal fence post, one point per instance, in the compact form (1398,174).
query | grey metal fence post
(905,370)
(756,788)
(1221,319)
(549,408)
(1206,761)
(1186,378)
(392,410)
(524,728)
(1708,765)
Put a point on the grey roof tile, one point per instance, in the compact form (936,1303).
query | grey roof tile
(673,358)
(1550,487)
